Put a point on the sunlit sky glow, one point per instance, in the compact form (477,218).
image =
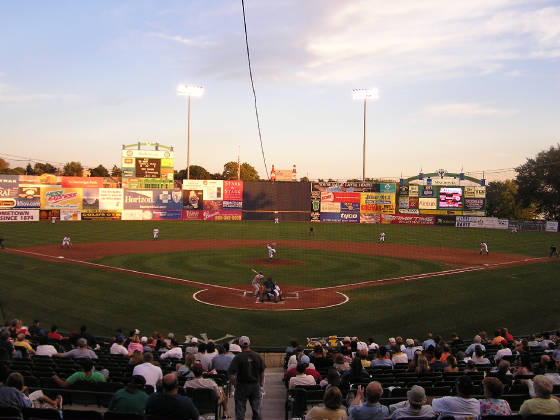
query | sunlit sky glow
(462,84)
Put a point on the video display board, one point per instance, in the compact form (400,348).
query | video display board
(450,197)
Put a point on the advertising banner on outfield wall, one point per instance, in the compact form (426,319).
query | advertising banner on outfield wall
(350,207)
(342,186)
(315,216)
(350,217)
(136,215)
(8,186)
(384,187)
(20,203)
(450,197)
(551,226)
(19,216)
(111,199)
(427,203)
(377,203)
(213,189)
(70,215)
(233,190)
(192,214)
(482,222)
(409,211)
(153,199)
(221,215)
(475,192)
(403,190)
(90,198)
(82,182)
(54,197)
(340,197)
(397,219)
(229,204)
(49,214)
(443,212)
(370,218)
(330,217)
(474,203)
(167,215)
(330,207)
(213,205)
(445,220)
(403,202)
(428,191)
(413,190)
(101,215)
(38,180)
(193,199)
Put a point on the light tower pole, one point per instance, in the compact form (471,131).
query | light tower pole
(188,91)
(365,94)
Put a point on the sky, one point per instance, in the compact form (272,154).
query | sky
(472,85)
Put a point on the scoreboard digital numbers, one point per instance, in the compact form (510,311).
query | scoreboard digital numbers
(148,168)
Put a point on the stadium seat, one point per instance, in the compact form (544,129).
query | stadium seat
(10,413)
(205,401)
(114,415)
(41,413)
(81,415)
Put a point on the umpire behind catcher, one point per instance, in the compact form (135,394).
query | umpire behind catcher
(246,372)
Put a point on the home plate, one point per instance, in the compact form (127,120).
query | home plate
(60,256)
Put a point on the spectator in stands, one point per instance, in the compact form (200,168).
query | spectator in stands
(502,373)
(246,372)
(211,352)
(456,340)
(135,359)
(132,398)
(477,341)
(292,346)
(331,409)
(470,367)
(492,405)
(6,345)
(410,349)
(451,364)
(35,330)
(503,351)
(371,409)
(202,358)
(135,345)
(381,359)
(398,356)
(92,342)
(414,362)
(118,348)
(82,352)
(21,341)
(509,338)
(44,348)
(54,334)
(206,383)
(318,352)
(309,370)
(542,403)
(461,405)
(175,352)
(145,344)
(294,358)
(222,361)
(356,374)
(545,341)
(428,342)
(11,393)
(332,379)
(533,341)
(87,374)
(151,373)
(186,369)
(192,347)
(340,364)
(422,366)
(168,404)
(437,362)
(484,337)
(372,345)
(363,355)
(391,342)
(478,357)
(415,406)
(157,342)
(301,378)
(400,342)
(498,338)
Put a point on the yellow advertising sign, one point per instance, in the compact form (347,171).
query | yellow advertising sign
(442,212)
(427,203)
(377,203)
(413,190)
(53,197)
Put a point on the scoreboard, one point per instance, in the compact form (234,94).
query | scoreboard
(148,164)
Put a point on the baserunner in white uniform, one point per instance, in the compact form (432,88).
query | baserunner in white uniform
(483,248)
(271,251)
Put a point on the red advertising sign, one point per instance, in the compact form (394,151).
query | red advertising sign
(82,182)
(221,215)
(233,190)
(192,215)
(340,197)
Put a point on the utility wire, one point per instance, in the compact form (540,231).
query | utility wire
(253,86)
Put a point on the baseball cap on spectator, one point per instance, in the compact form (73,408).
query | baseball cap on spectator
(244,341)
(416,394)
(136,331)
(409,342)
(392,340)
(171,336)
(194,340)
(234,348)
(144,340)
(361,346)
(304,359)
(346,339)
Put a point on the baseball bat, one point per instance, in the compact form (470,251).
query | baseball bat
(254,271)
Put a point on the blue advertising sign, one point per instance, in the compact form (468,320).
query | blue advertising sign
(153,200)
(350,207)
(350,217)
(330,217)
(168,199)
(229,204)
(28,203)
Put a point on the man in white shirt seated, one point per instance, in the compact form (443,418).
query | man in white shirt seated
(504,351)
(476,342)
(44,348)
(461,405)
(174,353)
(151,373)
(118,348)
(301,377)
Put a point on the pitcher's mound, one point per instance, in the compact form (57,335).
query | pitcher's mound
(272,262)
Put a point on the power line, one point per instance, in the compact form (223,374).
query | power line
(253,86)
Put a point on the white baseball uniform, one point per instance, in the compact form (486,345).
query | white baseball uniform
(256,284)
(382,237)
(271,251)
(66,242)
(156,233)
(483,248)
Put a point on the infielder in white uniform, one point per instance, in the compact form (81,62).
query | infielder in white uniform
(271,251)
(256,283)
(277,292)
(382,237)
(483,248)
(66,242)
(156,234)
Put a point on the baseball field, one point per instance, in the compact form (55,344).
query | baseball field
(196,279)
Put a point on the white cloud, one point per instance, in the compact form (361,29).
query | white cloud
(182,40)
(462,110)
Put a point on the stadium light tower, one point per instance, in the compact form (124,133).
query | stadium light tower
(188,91)
(365,94)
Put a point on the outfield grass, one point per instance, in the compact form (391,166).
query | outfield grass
(30,234)
(523,298)
(226,267)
